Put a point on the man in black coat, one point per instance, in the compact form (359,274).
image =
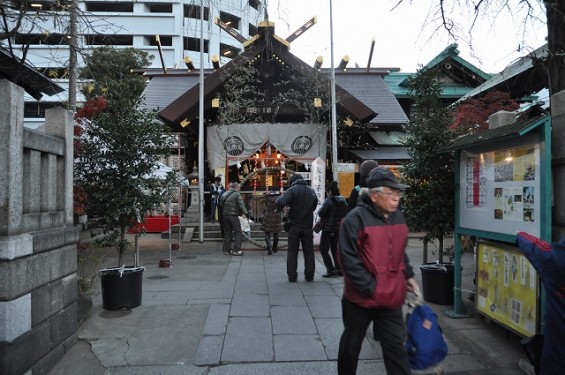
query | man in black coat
(302,201)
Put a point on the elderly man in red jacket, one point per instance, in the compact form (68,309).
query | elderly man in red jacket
(377,274)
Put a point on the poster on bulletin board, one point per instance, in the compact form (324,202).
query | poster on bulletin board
(501,190)
(507,287)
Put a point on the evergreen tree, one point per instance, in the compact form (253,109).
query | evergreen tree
(429,204)
(119,147)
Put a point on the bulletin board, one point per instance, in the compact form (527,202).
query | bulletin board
(503,178)
(507,287)
(500,190)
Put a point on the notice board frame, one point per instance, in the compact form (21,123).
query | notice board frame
(523,134)
(508,287)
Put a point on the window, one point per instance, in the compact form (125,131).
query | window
(109,40)
(228,51)
(193,44)
(253,29)
(193,11)
(255,4)
(166,40)
(40,5)
(109,6)
(230,20)
(52,39)
(159,7)
(37,109)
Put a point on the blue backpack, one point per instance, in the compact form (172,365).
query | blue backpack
(425,343)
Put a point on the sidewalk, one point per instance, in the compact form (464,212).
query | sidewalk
(215,314)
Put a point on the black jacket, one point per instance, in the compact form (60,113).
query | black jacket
(332,211)
(371,249)
(302,200)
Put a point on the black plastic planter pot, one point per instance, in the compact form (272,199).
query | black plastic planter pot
(438,282)
(121,287)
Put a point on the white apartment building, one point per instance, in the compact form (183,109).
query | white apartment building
(123,24)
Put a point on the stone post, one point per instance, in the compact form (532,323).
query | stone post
(59,122)
(11,161)
(38,253)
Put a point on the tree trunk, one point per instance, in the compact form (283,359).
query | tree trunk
(556,43)
(122,246)
(556,64)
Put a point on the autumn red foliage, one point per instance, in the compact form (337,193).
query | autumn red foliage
(472,114)
(79,200)
(90,109)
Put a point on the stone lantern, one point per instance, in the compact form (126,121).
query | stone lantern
(192,211)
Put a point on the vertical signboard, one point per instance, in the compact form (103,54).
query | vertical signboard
(507,287)
(346,178)
(318,176)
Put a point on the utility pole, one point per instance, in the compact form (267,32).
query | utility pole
(73,46)
(332,84)
(201,130)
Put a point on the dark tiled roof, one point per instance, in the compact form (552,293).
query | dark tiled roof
(449,56)
(25,76)
(522,74)
(382,153)
(186,105)
(372,90)
(459,75)
(510,131)
(162,90)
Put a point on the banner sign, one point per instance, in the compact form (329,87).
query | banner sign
(237,142)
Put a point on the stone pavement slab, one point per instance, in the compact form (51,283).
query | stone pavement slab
(215,314)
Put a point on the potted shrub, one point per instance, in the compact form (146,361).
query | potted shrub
(119,149)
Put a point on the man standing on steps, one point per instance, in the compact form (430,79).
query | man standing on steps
(216,190)
(302,200)
(232,207)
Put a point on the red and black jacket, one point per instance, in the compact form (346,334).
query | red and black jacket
(371,250)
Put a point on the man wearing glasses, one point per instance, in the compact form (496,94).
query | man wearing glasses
(377,274)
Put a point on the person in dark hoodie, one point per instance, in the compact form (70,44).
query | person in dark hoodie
(549,262)
(332,211)
(272,222)
(377,274)
(302,201)
(364,170)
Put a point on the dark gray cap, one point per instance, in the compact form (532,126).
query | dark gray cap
(383,177)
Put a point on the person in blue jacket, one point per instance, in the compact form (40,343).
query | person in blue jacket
(549,262)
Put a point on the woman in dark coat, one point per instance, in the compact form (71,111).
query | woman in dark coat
(272,222)
(332,211)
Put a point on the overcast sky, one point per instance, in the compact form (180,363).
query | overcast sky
(405,37)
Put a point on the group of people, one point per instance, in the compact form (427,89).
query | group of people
(363,241)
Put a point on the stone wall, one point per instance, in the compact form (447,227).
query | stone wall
(38,255)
